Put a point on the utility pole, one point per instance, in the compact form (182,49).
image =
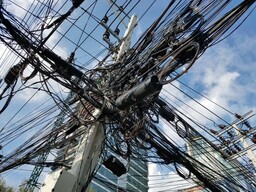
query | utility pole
(33,180)
(237,138)
(130,102)
(227,154)
(87,155)
(78,177)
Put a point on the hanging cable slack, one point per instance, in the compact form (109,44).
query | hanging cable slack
(172,154)
(60,66)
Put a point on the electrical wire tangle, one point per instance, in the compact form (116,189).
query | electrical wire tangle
(130,108)
(173,43)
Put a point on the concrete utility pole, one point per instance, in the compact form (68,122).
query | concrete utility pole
(135,83)
(86,159)
(227,154)
(239,137)
(90,147)
(32,183)
(246,146)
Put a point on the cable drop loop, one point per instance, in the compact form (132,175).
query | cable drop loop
(23,66)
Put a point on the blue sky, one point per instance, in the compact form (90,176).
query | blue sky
(225,74)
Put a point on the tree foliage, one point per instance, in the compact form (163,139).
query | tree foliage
(4,187)
(22,186)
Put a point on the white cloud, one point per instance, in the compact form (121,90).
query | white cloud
(7,59)
(18,11)
(226,75)
(165,180)
(223,76)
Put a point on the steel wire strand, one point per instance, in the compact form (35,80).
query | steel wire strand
(197,162)
(234,165)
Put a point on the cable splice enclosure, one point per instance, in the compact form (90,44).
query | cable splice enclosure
(138,93)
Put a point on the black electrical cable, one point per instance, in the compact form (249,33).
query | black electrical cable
(197,92)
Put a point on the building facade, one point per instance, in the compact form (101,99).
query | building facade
(229,175)
(134,180)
